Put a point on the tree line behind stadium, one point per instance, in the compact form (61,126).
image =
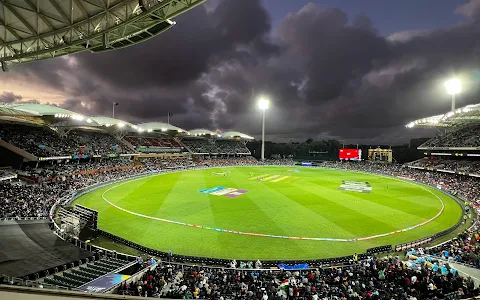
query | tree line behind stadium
(328,149)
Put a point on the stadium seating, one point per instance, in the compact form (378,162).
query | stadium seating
(85,273)
(221,146)
(231,147)
(143,141)
(456,165)
(42,141)
(365,280)
(468,136)
(199,146)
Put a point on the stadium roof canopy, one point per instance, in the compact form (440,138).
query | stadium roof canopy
(458,117)
(7,110)
(107,121)
(234,134)
(158,126)
(39,29)
(43,110)
(201,132)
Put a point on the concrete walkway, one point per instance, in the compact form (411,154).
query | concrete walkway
(467,271)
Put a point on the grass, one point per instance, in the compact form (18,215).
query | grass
(306,204)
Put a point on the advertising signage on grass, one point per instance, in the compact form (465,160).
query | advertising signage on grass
(350,154)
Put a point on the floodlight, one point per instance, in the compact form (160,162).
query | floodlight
(121,125)
(263,103)
(164,129)
(77,117)
(149,130)
(89,120)
(453,86)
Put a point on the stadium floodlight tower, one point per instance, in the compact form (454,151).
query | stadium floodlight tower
(263,104)
(453,87)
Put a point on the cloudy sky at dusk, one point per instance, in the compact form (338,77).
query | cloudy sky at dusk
(357,71)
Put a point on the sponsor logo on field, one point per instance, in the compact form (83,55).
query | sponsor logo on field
(355,186)
(221,191)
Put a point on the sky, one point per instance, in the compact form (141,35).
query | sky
(351,70)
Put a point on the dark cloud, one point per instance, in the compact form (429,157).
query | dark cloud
(9,97)
(327,74)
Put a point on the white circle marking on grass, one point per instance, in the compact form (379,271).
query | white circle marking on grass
(271,235)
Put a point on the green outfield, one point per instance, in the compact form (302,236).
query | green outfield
(246,212)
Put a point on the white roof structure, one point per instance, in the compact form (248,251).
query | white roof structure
(233,134)
(159,126)
(42,109)
(197,132)
(64,117)
(458,117)
(107,121)
(39,29)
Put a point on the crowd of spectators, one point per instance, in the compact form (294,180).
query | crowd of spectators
(42,141)
(220,146)
(19,199)
(150,141)
(46,170)
(374,278)
(156,164)
(231,147)
(464,248)
(199,146)
(456,165)
(468,136)
(225,162)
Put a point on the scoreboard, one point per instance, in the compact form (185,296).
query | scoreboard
(350,154)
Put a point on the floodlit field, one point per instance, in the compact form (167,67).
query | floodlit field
(207,212)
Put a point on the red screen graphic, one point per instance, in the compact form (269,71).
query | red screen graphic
(349,154)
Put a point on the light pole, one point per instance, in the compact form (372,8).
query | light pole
(263,105)
(453,87)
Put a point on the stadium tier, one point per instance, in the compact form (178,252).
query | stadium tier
(458,129)
(42,141)
(464,137)
(359,281)
(453,165)
(208,146)
(146,144)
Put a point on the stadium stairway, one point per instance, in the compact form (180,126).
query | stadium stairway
(128,145)
(184,146)
(86,273)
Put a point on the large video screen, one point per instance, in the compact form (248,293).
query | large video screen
(350,154)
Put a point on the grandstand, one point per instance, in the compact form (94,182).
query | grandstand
(206,142)
(36,132)
(456,148)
